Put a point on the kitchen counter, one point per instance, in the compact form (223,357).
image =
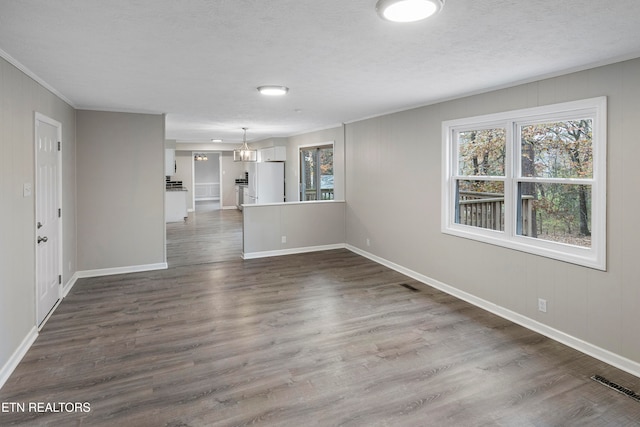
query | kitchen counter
(240,190)
(175,204)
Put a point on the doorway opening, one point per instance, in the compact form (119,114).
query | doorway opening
(207,181)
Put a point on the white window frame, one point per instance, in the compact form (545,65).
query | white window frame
(593,108)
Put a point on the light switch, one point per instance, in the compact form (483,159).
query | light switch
(26,189)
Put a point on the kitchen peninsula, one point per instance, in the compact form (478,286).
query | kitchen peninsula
(175,202)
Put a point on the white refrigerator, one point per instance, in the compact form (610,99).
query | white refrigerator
(266,182)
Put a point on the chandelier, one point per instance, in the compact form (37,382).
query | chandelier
(244,153)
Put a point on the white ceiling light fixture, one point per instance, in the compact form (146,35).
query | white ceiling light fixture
(244,153)
(216,140)
(408,10)
(272,90)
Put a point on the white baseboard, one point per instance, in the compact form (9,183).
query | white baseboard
(592,350)
(121,270)
(22,349)
(67,287)
(280,252)
(230,207)
(17,356)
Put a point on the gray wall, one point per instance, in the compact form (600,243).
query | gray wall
(120,190)
(208,171)
(304,225)
(20,97)
(393,198)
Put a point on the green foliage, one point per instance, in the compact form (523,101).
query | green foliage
(482,152)
(326,161)
(559,149)
(559,211)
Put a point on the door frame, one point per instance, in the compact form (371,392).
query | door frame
(39,117)
(193,176)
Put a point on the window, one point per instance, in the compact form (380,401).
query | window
(531,180)
(316,173)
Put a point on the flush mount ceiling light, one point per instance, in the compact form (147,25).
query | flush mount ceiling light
(273,90)
(244,153)
(408,10)
(216,140)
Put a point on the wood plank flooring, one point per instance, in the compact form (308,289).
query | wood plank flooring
(323,339)
(208,235)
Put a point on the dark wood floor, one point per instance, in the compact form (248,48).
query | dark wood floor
(326,339)
(208,235)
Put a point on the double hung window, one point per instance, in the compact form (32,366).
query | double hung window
(531,180)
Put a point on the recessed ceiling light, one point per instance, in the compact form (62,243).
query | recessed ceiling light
(216,140)
(273,90)
(408,10)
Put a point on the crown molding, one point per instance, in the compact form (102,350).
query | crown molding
(10,59)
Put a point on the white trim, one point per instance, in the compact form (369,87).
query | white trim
(252,205)
(41,118)
(292,251)
(70,284)
(29,339)
(17,356)
(217,152)
(50,313)
(298,167)
(10,59)
(121,270)
(582,346)
(595,108)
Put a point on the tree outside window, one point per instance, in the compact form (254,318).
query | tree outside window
(531,179)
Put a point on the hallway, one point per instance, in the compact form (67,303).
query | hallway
(209,235)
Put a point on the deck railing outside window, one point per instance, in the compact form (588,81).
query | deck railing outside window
(486,210)
(326,194)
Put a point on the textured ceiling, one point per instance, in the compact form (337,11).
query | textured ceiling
(200,61)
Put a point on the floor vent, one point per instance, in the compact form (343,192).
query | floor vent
(620,389)
(411,288)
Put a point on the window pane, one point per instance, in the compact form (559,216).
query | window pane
(558,149)
(481,152)
(480,204)
(555,212)
(308,177)
(326,173)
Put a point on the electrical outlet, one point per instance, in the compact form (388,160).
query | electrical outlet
(542,305)
(368,242)
(284,239)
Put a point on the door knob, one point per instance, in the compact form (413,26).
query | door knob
(42,239)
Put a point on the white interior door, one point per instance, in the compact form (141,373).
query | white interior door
(48,222)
